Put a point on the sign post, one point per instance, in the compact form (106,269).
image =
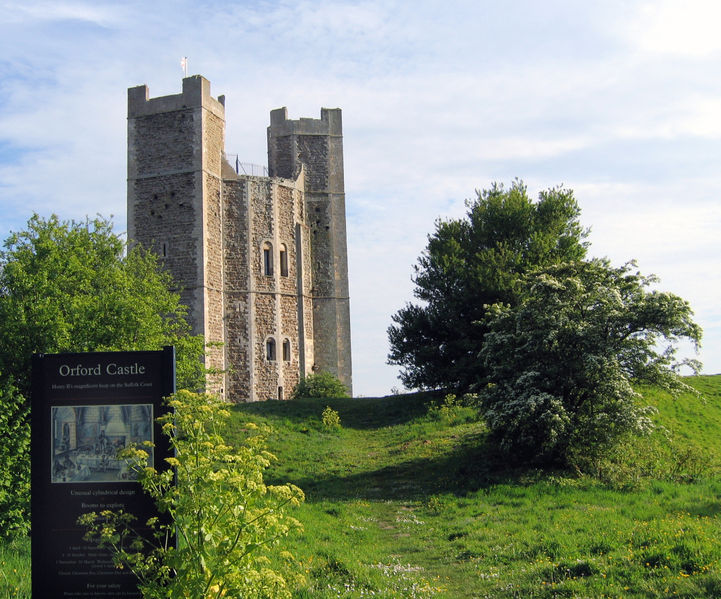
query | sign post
(85,407)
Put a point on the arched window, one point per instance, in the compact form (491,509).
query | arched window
(283,260)
(270,349)
(286,350)
(267,259)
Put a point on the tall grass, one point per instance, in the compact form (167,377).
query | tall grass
(15,568)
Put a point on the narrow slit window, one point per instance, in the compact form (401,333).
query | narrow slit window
(270,350)
(267,260)
(283,261)
(280,393)
(286,350)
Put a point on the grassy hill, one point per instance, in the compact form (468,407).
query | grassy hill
(403,503)
(409,500)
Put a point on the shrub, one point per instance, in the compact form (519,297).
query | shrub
(215,499)
(330,418)
(321,385)
(563,361)
(453,410)
(14,461)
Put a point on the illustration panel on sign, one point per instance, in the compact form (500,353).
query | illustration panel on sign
(86,441)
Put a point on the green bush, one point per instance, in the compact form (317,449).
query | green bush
(330,418)
(214,498)
(75,286)
(561,364)
(320,385)
(14,461)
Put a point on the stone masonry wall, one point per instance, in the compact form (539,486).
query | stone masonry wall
(317,145)
(165,208)
(160,132)
(313,154)
(237,297)
(213,146)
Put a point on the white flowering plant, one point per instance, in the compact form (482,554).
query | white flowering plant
(563,363)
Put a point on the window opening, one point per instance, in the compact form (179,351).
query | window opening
(283,261)
(280,393)
(286,350)
(267,260)
(270,350)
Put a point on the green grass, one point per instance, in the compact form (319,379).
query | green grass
(15,568)
(405,502)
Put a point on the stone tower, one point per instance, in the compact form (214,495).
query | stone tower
(261,262)
(317,145)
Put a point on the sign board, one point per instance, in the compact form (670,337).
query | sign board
(84,408)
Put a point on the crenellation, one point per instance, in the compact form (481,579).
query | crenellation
(195,94)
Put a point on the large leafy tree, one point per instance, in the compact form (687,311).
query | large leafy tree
(72,286)
(561,364)
(470,264)
(76,287)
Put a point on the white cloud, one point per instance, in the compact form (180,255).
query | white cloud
(686,28)
(23,12)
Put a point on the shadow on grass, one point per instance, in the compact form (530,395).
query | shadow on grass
(355,413)
(468,469)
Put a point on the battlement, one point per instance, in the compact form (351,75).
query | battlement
(195,94)
(330,123)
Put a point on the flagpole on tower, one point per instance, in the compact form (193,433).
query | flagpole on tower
(184,65)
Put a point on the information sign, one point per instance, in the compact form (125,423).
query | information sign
(85,407)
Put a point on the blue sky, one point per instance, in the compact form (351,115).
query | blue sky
(618,100)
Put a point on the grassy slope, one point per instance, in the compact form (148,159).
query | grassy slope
(403,505)
(400,504)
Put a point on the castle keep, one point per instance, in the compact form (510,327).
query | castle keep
(261,262)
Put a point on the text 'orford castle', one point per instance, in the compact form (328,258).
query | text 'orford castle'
(261,262)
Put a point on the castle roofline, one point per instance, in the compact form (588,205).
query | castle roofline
(195,94)
(330,123)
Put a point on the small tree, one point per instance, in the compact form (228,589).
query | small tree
(469,264)
(226,518)
(562,363)
(75,287)
(320,385)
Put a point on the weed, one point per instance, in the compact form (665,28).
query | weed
(330,418)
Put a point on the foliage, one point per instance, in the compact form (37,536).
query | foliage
(15,568)
(226,518)
(319,385)
(72,287)
(454,410)
(560,365)
(330,418)
(76,287)
(14,461)
(469,264)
